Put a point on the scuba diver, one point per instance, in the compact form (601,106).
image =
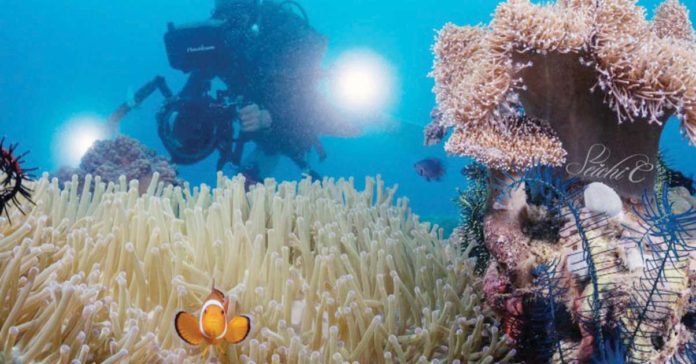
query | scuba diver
(268,58)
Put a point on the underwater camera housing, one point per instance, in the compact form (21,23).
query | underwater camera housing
(189,129)
(192,128)
(197,46)
(193,124)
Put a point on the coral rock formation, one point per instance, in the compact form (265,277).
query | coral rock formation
(620,278)
(330,274)
(125,156)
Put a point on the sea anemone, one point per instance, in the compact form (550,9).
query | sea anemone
(597,72)
(329,274)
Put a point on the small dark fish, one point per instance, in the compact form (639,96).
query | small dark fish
(430,169)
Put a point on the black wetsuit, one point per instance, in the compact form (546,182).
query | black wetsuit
(278,68)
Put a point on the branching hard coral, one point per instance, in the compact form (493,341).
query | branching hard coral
(329,274)
(597,72)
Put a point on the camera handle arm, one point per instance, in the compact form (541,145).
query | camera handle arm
(157,83)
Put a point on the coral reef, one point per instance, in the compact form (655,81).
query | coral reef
(583,88)
(607,286)
(596,73)
(125,156)
(553,96)
(329,274)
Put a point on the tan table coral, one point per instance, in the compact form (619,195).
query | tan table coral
(595,79)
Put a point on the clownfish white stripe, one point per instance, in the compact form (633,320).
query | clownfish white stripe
(213,327)
(208,303)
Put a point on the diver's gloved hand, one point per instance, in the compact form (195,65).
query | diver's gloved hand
(253,118)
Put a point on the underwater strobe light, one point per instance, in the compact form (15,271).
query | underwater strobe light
(75,138)
(362,82)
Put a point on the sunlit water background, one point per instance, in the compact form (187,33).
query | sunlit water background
(62,59)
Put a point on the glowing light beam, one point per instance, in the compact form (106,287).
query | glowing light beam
(362,82)
(75,138)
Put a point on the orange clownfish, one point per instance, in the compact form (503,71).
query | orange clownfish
(212,327)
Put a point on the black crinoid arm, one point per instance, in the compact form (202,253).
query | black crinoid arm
(666,238)
(13,179)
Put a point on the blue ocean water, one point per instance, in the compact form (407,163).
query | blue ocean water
(62,58)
